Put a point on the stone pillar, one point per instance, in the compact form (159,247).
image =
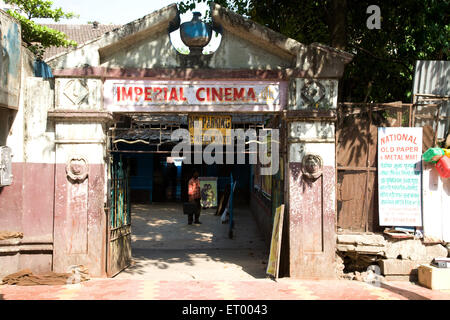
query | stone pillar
(312,178)
(80,175)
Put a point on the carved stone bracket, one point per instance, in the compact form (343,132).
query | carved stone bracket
(77,169)
(312,166)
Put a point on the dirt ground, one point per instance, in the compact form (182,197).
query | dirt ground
(165,247)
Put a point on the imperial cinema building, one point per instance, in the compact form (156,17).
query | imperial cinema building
(110,109)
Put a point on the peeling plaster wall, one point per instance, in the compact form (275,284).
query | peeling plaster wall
(85,56)
(155,51)
(80,220)
(10,60)
(26,206)
(237,53)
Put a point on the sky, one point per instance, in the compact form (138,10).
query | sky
(115,11)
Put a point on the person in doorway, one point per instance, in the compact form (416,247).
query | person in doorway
(194,196)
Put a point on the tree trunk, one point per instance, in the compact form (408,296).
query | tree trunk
(337,23)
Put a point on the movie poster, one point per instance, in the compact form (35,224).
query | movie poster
(208,192)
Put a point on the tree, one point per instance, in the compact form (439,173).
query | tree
(383,67)
(36,36)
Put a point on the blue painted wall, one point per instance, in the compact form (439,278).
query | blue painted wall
(143,178)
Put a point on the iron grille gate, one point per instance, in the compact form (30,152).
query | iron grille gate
(119,217)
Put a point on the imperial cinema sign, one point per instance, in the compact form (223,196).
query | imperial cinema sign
(184,96)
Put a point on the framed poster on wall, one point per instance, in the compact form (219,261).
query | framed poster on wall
(208,192)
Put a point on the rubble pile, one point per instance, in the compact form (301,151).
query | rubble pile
(397,259)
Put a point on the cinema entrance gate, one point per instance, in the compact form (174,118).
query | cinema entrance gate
(134,71)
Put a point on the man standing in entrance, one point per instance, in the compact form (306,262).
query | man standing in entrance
(194,196)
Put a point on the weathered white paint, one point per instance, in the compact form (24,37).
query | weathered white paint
(84,139)
(436,200)
(10,60)
(17,131)
(317,57)
(156,51)
(316,94)
(78,94)
(312,130)
(84,131)
(326,150)
(238,52)
(93,153)
(39,133)
(160,93)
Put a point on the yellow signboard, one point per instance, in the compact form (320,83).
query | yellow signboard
(219,126)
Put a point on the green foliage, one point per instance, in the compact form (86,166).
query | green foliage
(383,67)
(239,6)
(36,36)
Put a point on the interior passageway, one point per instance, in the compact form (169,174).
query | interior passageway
(164,246)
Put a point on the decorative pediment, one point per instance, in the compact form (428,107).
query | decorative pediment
(145,44)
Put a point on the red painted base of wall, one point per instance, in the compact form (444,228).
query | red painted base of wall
(61,227)
(27,206)
(312,236)
(80,221)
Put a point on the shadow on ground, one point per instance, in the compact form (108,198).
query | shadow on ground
(405,293)
(164,246)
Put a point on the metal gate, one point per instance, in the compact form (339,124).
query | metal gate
(119,217)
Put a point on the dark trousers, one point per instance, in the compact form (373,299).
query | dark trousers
(196,213)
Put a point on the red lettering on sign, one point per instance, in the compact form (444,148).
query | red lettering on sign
(251,93)
(228,96)
(238,95)
(182,97)
(127,95)
(148,93)
(138,92)
(197,94)
(173,94)
(157,94)
(215,94)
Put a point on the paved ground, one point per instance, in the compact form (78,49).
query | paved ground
(284,289)
(176,261)
(165,247)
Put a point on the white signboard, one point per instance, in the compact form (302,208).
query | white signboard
(147,95)
(399,176)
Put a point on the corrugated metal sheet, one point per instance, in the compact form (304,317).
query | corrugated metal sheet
(433,77)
